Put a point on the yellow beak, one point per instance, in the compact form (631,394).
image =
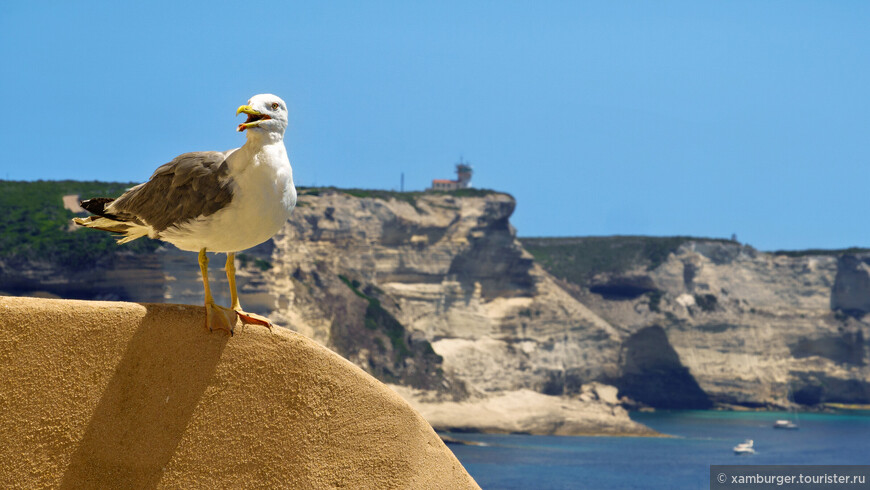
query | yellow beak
(247,110)
(251,112)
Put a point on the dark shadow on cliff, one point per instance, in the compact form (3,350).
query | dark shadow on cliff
(653,374)
(145,409)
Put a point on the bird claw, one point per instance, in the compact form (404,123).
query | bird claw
(218,318)
(254,318)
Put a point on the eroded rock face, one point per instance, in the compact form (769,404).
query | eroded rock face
(653,374)
(596,411)
(451,273)
(750,327)
(851,293)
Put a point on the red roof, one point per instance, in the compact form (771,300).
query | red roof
(443,181)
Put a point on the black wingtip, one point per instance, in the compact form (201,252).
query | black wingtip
(97,205)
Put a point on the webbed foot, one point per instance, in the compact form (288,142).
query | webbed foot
(219,318)
(254,318)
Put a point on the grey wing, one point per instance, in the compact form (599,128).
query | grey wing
(191,185)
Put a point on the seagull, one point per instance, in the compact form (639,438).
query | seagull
(210,201)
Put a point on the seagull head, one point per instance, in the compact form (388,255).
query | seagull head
(267,113)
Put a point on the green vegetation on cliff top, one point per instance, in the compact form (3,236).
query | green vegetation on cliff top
(578,259)
(34,225)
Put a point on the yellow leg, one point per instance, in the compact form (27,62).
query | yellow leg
(203,268)
(215,317)
(234,296)
(231,277)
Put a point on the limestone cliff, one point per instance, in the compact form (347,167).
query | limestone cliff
(433,292)
(715,322)
(379,276)
(124,395)
(428,291)
(452,273)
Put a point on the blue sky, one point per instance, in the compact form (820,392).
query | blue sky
(657,118)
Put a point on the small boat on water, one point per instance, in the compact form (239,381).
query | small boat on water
(744,447)
(791,422)
(784,424)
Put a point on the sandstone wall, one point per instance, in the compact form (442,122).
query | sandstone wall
(123,395)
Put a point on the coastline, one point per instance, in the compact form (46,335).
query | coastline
(527,412)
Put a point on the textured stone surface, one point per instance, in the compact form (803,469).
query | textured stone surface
(852,284)
(750,327)
(596,411)
(451,271)
(123,395)
(651,371)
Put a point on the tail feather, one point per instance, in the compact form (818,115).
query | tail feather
(106,221)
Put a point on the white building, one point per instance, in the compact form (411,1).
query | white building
(463,179)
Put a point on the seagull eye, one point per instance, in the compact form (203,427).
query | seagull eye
(275,106)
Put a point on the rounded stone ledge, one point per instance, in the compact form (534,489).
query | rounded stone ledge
(126,395)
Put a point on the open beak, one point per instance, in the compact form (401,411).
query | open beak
(254,117)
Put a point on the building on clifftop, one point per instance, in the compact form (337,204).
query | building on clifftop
(463,179)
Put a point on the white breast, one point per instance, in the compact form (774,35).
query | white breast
(263,198)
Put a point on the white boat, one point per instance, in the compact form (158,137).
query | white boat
(744,447)
(790,423)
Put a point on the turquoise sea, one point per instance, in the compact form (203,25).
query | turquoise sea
(701,438)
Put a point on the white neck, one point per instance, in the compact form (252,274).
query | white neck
(263,138)
(261,148)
